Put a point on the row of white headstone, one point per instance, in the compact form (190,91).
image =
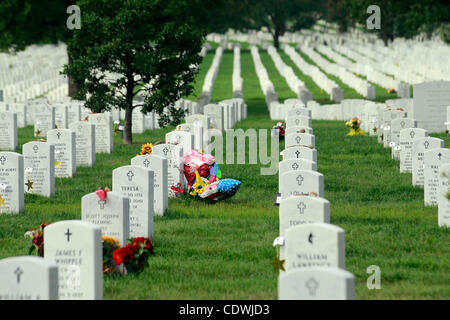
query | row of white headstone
(295,84)
(320,78)
(360,85)
(425,157)
(264,81)
(33,72)
(313,249)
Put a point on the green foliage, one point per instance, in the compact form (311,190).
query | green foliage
(124,49)
(26,22)
(283,15)
(398,18)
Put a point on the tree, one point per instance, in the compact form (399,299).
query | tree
(27,22)
(398,18)
(126,48)
(280,16)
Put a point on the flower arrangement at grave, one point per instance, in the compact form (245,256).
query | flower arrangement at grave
(37,239)
(279,130)
(354,125)
(110,244)
(391,90)
(146,148)
(203,177)
(134,256)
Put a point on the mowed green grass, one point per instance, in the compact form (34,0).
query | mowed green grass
(223,250)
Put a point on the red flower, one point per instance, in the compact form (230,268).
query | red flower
(123,255)
(148,245)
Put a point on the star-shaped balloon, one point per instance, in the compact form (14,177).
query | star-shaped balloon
(29,184)
(2,201)
(57,164)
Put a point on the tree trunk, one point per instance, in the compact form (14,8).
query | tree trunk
(276,37)
(73,87)
(127,132)
(127,135)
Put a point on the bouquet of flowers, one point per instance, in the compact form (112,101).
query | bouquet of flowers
(110,245)
(37,239)
(146,148)
(354,125)
(134,255)
(279,129)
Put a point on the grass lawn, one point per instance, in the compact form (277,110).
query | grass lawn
(223,250)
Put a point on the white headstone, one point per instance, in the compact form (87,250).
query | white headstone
(174,156)
(396,126)
(181,138)
(65,151)
(103,132)
(73,113)
(110,214)
(314,245)
(430,105)
(39,168)
(85,143)
(300,210)
(316,284)
(28,278)
(432,160)
(11,182)
(216,116)
(159,166)
(298,121)
(406,140)
(21,110)
(420,146)
(44,119)
(443,192)
(293,165)
(301,183)
(8,130)
(61,116)
(76,247)
(137,184)
(300,152)
(299,139)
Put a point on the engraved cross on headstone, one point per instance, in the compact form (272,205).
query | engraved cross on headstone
(294,166)
(298,139)
(18,272)
(439,155)
(300,179)
(2,160)
(102,204)
(165,151)
(130,175)
(68,234)
(312,285)
(146,163)
(301,207)
(412,134)
(426,144)
(402,123)
(297,121)
(58,135)
(36,148)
